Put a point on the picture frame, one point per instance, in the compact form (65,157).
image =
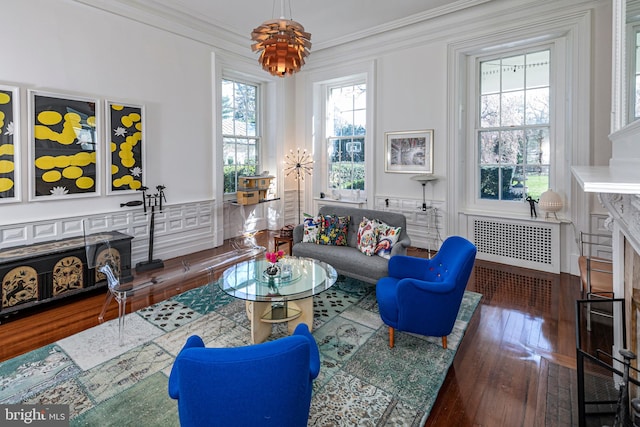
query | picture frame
(65,146)
(409,151)
(125,148)
(10,172)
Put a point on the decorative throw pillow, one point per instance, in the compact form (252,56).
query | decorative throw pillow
(311,229)
(387,237)
(368,236)
(333,230)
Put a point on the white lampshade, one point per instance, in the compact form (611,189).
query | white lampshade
(424,178)
(550,202)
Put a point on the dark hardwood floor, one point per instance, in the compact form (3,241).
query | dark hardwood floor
(524,325)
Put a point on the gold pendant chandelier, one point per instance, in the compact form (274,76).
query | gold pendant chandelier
(283,44)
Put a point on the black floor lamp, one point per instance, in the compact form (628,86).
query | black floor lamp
(423,179)
(301,164)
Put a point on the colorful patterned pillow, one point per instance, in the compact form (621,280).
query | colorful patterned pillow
(333,230)
(368,236)
(387,237)
(311,229)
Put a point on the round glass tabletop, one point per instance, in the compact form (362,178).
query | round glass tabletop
(297,278)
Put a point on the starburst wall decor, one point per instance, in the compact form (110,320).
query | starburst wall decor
(299,164)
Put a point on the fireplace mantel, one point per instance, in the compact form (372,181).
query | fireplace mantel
(618,185)
(622,175)
(608,179)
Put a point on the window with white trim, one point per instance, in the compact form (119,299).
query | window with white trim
(513,125)
(346,109)
(240,131)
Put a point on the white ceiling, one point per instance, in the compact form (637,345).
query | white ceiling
(330,22)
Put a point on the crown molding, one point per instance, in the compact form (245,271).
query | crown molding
(488,23)
(401,23)
(176,22)
(193,27)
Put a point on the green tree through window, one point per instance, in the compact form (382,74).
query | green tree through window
(240,133)
(514,126)
(346,129)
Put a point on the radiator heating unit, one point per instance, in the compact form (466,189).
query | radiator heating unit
(528,244)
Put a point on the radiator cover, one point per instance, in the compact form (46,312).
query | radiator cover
(528,244)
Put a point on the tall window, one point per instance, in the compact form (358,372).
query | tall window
(240,131)
(634,95)
(346,128)
(514,126)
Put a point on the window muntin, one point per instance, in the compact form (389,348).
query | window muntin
(346,129)
(240,132)
(514,141)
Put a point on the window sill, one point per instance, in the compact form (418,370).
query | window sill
(542,216)
(345,201)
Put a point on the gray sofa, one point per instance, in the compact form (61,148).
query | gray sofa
(348,260)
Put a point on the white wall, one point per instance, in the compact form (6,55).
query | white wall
(412,89)
(68,48)
(413,84)
(412,78)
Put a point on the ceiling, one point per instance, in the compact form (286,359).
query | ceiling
(330,22)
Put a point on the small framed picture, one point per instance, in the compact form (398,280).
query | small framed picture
(409,152)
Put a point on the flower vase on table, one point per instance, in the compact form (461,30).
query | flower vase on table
(272,270)
(272,257)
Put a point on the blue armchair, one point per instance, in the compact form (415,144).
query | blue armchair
(423,296)
(266,384)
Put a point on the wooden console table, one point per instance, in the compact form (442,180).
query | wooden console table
(43,272)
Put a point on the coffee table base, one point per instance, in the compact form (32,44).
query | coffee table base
(263,314)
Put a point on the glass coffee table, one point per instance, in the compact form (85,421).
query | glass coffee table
(284,297)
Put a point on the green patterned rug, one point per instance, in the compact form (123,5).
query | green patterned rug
(362,381)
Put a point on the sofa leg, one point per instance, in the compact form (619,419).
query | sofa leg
(391,337)
(444,342)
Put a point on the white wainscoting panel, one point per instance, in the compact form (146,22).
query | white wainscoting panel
(179,229)
(425,228)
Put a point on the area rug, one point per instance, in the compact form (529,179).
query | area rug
(362,381)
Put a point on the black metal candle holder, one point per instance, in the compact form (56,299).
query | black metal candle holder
(150,201)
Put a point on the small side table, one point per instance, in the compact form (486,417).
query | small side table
(280,240)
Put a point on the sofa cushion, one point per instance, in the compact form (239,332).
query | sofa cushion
(333,230)
(311,229)
(392,218)
(346,260)
(368,236)
(387,237)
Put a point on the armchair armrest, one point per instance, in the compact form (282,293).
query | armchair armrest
(402,266)
(194,341)
(417,285)
(314,363)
